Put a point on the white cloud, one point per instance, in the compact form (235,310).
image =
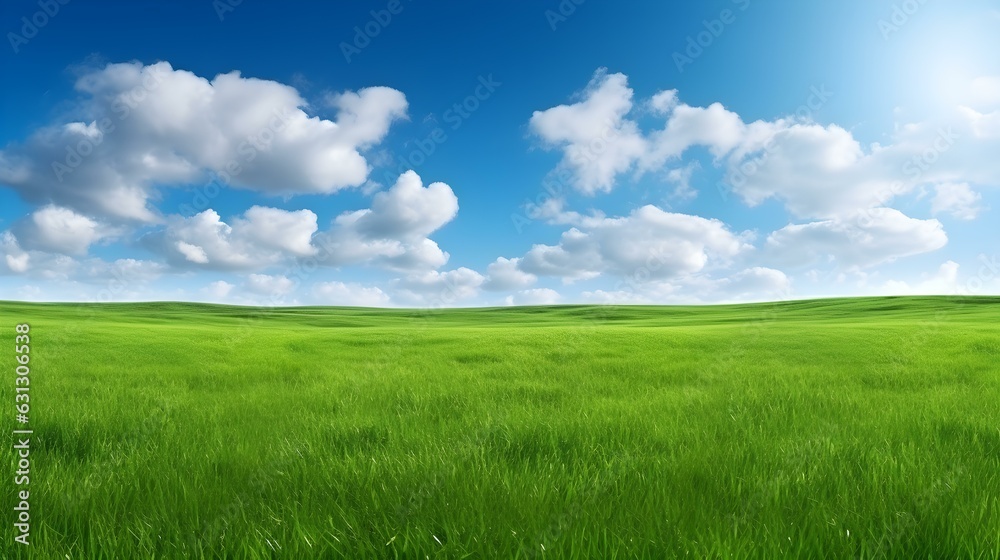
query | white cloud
(267,285)
(597,141)
(16,259)
(680,177)
(280,230)
(192,253)
(260,238)
(714,127)
(406,211)
(59,230)
(958,200)
(393,232)
(943,282)
(615,297)
(816,171)
(757,283)
(504,274)
(126,272)
(983,126)
(339,293)
(752,284)
(865,239)
(537,296)
(144,127)
(219,290)
(649,243)
(34,264)
(17,263)
(438,289)
(553,211)
(364,117)
(664,102)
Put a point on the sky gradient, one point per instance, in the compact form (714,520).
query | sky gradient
(401,153)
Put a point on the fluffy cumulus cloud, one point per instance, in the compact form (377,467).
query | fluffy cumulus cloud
(34,264)
(838,189)
(754,284)
(133,131)
(261,237)
(732,285)
(268,285)
(139,127)
(944,281)
(597,141)
(504,274)
(680,177)
(536,296)
(350,294)
(393,232)
(958,200)
(60,230)
(649,242)
(406,211)
(280,230)
(16,260)
(865,239)
(438,289)
(218,290)
(817,171)
(127,272)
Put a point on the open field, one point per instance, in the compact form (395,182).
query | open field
(839,428)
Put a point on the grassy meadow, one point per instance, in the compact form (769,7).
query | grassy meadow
(841,428)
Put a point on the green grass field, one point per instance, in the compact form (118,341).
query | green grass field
(843,428)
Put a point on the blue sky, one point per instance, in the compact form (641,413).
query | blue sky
(398,153)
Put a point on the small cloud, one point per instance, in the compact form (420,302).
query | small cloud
(958,200)
(219,289)
(537,296)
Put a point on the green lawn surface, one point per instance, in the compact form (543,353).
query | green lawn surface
(838,428)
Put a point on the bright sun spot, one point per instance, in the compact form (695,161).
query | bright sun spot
(941,67)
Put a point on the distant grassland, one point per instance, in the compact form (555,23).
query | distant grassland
(844,428)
